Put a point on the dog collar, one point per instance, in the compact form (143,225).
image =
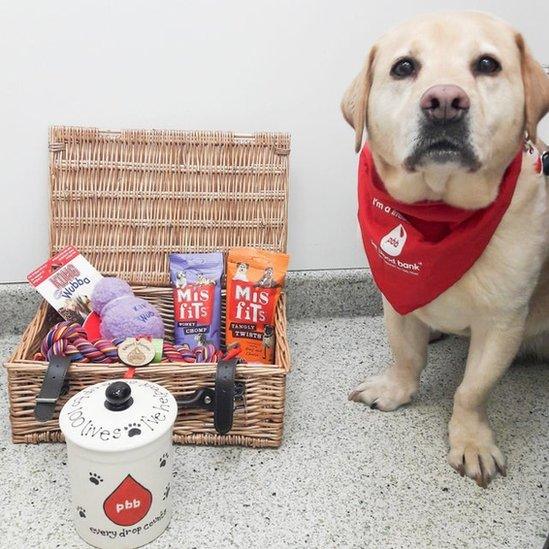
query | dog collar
(541,159)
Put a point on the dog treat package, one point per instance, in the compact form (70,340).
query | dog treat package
(196,281)
(254,281)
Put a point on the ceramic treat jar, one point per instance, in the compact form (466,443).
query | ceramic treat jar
(119,444)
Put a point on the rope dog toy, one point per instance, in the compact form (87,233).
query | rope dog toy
(69,339)
(183,353)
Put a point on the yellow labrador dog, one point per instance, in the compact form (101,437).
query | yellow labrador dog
(469,77)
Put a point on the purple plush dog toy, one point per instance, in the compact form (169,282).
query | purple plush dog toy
(122,314)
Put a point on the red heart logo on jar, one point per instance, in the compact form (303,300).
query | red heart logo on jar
(129,503)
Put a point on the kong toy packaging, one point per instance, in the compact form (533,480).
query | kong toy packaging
(67,281)
(126,200)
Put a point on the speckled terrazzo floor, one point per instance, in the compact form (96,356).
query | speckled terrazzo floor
(346,476)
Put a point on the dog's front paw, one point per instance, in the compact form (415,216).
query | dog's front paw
(387,391)
(473,451)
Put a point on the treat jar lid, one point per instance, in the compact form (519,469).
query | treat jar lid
(119,415)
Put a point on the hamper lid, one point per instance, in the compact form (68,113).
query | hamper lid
(117,416)
(127,198)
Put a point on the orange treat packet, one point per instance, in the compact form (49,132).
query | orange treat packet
(254,281)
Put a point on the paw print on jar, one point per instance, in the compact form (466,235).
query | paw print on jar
(133,429)
(94,478)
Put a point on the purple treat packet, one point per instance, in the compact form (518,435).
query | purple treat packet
(196,281)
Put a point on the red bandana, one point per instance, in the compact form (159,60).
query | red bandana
(417,251)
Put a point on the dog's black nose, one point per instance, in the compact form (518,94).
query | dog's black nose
(444,103)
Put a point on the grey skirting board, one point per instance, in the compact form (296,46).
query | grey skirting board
(333,293)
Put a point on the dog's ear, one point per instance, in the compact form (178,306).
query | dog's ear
(355,101)
(536,88)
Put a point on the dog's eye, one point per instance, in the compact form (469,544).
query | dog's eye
(487,65)
(403,68)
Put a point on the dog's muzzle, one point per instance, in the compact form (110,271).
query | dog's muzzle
(441,143)
(443,129)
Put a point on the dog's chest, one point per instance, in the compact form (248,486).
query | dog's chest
(503,278)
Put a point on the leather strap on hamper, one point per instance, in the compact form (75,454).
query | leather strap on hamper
(224,396)
(52,387)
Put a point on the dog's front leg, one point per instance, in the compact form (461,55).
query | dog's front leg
(397,384)
(473,450)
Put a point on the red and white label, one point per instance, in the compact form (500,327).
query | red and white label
(251,304)
(129,503)
(53,266)
(393,242)
(194,303)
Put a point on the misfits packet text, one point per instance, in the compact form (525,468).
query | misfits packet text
(254,282)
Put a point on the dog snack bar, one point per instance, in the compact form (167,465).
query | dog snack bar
(196,281)
(254,282)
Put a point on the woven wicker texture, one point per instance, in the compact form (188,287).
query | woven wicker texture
(126,199)
(257,423)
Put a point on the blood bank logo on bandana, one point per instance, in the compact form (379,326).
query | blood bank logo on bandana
(417,251)
(393,242)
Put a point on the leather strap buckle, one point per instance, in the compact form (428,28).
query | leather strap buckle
(222,399)
(53,386)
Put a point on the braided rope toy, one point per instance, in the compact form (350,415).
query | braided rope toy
(69,339)
(183,353)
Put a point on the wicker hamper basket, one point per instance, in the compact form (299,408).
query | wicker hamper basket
(125,200)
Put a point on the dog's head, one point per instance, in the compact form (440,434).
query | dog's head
(242,267)
(449,91)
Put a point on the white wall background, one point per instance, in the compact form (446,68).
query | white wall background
(240,65)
